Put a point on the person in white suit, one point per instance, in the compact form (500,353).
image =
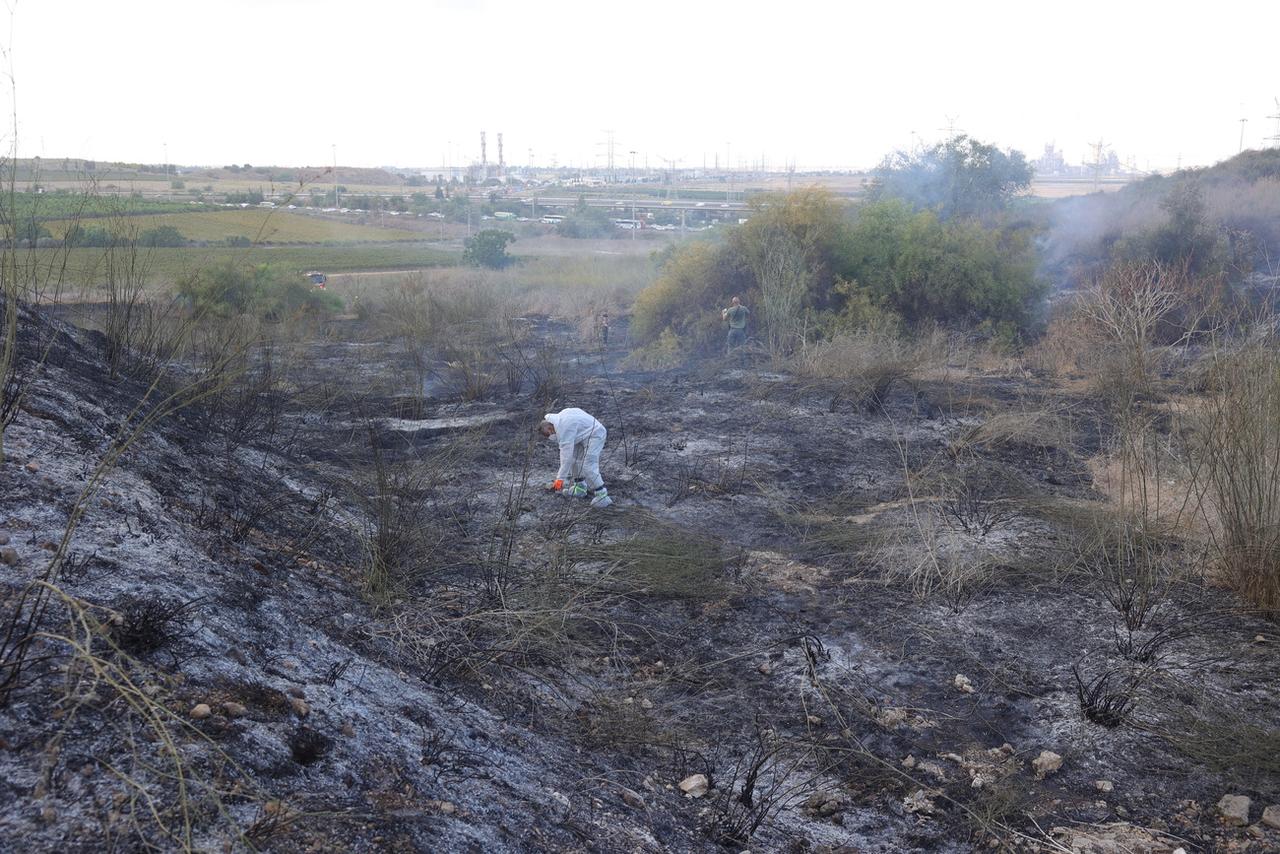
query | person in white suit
(581,438)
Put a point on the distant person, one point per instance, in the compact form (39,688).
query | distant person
(604,330)
(581,439)
(736,315)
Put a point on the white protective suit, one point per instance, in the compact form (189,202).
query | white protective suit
(581,439)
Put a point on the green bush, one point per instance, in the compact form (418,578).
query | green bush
(264,291)
(807,269)
(694,284)
(488,249)
(958,271)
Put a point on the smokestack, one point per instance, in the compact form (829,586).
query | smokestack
(502,164)
(484,158)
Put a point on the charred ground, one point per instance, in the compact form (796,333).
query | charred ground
(862,610)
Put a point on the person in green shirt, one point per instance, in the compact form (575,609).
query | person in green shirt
(736,315)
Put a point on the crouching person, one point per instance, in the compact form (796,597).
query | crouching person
(581,439)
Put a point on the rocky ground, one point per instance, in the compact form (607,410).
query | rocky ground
(814,620)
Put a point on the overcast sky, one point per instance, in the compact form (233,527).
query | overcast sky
(825,84)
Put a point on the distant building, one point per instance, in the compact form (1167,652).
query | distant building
(1051,162)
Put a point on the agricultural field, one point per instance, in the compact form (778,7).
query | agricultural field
(85,268)
(257,225)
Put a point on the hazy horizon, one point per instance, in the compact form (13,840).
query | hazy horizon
(289,82)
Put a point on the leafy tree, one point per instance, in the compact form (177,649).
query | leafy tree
(488,248)
(164,235)
(79,235)
(252,197)
(30,229)
(586,222)
(959,177)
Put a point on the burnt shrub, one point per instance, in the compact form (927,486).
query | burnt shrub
(147,624)
(308,746)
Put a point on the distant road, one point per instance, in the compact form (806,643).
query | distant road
(550,202)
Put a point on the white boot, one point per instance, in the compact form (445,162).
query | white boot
(601,498)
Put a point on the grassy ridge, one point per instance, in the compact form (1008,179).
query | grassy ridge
(254,223)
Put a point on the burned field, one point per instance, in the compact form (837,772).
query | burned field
(327,605)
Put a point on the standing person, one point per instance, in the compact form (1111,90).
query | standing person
(736,315)
(581,438)
(604,330)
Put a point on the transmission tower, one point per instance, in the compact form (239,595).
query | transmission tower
(1241,148)
(1097,163)
(608,145)
(951,129)
(484,158)
(1274,139)
(502,163)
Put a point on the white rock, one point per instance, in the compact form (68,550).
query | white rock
(962,683)
(1271,816)
(1046,763)
(695,785)
(1235,809)
(1103,785)
(200,711)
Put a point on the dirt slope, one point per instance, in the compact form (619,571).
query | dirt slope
(549,674)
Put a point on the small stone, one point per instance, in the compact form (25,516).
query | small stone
(632,799)
(48,815)
(448,807)
(1046,763)
(9,555)
(813,720)
(4,539)
(695,785)
(909,762)
(273,808)
(299,706)
(1103,785)
(962,683)
(1234,809)
(348,730)
(646,703)
(1256,638)
(200,711)
(1271,816)
(33,467)
(765,667)
(234,710)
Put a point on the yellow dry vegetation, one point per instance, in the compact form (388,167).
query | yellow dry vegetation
(257,224)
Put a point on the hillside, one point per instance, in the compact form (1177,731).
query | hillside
(330,614)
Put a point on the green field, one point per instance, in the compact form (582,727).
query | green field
(55,206)
(85,267)
(256,224)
